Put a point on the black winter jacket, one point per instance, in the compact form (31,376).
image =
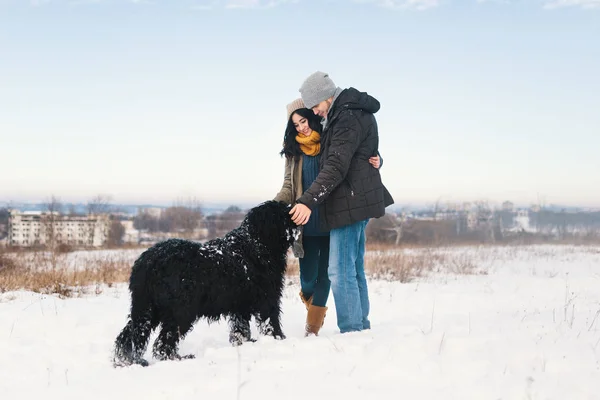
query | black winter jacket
(348,188)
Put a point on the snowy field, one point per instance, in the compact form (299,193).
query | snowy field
(526,327)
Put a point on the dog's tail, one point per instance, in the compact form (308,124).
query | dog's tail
(123,351)
(131,343)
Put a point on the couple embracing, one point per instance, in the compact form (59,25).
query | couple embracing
(332,179)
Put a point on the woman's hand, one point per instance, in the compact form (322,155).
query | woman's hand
(375,161)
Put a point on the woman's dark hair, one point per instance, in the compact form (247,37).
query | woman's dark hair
(291,148)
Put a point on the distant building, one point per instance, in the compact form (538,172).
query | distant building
(152,211)
(445,215)
(508,206)
(34,228)
(131,234)
(522,222)
(472,220)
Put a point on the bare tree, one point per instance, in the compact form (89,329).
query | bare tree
(541,201)
(398,225)
(53,207)
(144,221)
(219,224)
(50,218)
(386,228)
(229,219)
(98,205)
(115,233)
(193,214)
(4,215)
(485,220)
(436,208)
(72,211)
(184,217)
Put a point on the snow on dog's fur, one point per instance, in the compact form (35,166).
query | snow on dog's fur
(176,282)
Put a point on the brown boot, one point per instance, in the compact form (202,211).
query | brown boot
(307,302)
(315,320)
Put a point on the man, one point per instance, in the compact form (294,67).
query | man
(348,190)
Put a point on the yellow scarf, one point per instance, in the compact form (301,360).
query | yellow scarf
(311,144)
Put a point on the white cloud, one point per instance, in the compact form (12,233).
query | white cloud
(553,4)
(254,3)
(83,2)
(391,4)
(205,5)
(398,4)
(496,1)
(587,4)
(250,4)
(417,4)
(238,4)
(36,3)
(194,4)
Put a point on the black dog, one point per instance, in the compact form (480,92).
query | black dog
(176,282)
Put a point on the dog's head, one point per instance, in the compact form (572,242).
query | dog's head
(271,223)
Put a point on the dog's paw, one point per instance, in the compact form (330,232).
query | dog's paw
(240,341)
(119,364)
(280,336)
(236,339)
(122,363)
(141,362)
(177,357)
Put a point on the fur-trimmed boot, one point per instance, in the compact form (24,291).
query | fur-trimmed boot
(307,302)
(315,320)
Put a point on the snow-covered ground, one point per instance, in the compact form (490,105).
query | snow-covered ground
(528,328)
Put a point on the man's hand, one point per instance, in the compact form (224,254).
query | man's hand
(375,161)
(300,214)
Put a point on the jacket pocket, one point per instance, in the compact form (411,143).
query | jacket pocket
(352,191)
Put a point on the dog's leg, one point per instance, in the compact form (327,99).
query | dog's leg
(184,328)
(239,330)
(123,351)
(270,325)
(132,341)
(166,344)
(141,336)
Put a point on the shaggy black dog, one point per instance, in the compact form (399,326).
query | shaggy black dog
(239,276)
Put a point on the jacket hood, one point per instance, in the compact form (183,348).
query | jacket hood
(352,99)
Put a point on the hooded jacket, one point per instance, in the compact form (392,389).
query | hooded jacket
(348,188)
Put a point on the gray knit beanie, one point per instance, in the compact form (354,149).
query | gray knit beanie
(317,88)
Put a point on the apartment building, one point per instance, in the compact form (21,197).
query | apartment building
(33,228)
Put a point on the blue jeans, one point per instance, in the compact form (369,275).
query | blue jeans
(347,276)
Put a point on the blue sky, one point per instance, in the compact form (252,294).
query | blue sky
(150,101)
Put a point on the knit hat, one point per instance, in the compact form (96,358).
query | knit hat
(293,106)
(317,88)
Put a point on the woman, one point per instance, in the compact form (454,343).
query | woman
(302,147)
